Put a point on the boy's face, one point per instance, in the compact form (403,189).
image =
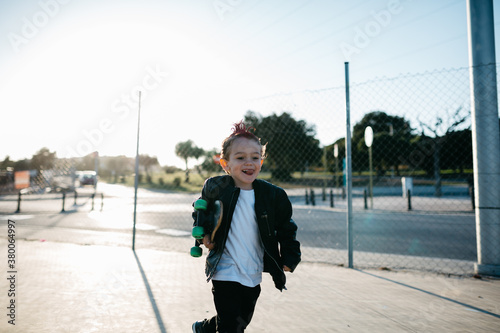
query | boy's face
(244,162)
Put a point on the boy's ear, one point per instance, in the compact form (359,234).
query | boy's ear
(223,163)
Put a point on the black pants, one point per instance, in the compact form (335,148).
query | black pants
(235,305)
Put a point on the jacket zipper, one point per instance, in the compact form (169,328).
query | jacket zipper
(264,216)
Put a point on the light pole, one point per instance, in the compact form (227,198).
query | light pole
(136,179)
(485,134)
(336,155)
(369,142)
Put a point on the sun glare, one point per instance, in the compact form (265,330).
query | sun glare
(83,82)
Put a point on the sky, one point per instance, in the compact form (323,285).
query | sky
(70,71)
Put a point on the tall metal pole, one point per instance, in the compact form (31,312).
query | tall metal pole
(336,155)
(348,168)
(369,143)
(485,134)
(136,180)
(370,157)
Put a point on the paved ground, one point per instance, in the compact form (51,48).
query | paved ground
(63,287)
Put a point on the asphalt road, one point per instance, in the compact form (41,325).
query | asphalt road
(163,221)
(449,236)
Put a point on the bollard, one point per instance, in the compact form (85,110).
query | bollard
(102,201)
(19,203)
(324,194)
(93,195)
(409,199)
(313,201)
(307,198)
(331,199)
(343,193)
(365,196)
(472,199)
(76,196)
(63,201)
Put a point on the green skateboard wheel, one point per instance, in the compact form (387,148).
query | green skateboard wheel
(198,232)
(200,204)
(196,251)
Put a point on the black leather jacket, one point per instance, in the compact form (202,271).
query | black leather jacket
(274,218)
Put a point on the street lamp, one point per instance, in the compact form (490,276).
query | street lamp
(336,155)
(369,142)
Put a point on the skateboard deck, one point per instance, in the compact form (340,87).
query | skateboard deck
(217,218)
(206,224)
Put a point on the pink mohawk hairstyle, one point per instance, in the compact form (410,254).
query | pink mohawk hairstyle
(240,130)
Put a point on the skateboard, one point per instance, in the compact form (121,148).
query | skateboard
(206,223)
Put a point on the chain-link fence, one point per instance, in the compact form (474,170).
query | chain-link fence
(57,188)
(413,204)
(412,189)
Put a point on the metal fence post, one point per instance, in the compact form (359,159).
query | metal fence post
(136,178)
(409,199)
(18,203)
(365,196)
(348,169)
(63,201)
(472,199)
(485,134)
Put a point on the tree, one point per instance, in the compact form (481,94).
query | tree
(6,163)
(186,150)
(391,141)
(457,151)
(209,164)
(334,164)
(43,159)
(147,162)
(22,165)
(118,166)
(291,145)
(453,121)
(87,162)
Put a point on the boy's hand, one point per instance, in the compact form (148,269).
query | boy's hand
(286,268)
(208,243)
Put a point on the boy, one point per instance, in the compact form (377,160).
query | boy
(257,234)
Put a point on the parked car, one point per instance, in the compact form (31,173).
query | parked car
(87,178)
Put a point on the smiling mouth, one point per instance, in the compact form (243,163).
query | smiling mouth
(248,172)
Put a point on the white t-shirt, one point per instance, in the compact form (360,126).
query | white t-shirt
(243,257)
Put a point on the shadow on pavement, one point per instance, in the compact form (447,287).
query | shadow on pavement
(433,294)
(151,296)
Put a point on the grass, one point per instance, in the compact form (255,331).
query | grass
(163,181)
(176,181)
